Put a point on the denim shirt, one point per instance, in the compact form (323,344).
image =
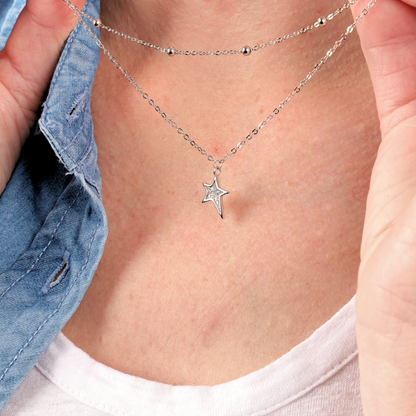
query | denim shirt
(9,10)
(52,221)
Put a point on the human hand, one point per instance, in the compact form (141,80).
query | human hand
(26,66)
(386,297)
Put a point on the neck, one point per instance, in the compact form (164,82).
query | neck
(253,85)
(215,24)
(294,214)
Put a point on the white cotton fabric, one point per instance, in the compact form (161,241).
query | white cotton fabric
(317,377)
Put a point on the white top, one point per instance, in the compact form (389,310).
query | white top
(317,377)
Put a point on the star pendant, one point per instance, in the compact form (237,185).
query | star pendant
(214,193)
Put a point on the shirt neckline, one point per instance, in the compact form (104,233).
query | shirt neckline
(309,364)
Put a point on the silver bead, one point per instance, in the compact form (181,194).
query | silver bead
(97,23)
(170,51)
(246,50)
(322,21)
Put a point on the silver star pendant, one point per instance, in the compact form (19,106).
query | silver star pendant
(214,193)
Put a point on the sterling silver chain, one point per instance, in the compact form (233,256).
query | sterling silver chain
(245,50)
(219,162)
(213,191)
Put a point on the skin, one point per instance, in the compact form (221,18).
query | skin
(155,279)
(156,297)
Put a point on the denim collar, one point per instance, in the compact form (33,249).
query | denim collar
(66,118)
(53,224)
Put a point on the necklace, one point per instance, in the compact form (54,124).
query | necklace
(245,50)
(213,192)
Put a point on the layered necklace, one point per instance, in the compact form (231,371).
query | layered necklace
(213,192)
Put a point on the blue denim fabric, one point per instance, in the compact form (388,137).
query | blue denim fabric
(9,10)
(52,221)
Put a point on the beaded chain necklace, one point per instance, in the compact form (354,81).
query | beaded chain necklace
(213,192)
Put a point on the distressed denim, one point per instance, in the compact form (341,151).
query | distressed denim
(52,221)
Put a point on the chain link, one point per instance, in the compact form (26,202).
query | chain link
(245,50)
(218,163)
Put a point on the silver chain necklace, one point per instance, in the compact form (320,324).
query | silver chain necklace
(245,50)
(213,192)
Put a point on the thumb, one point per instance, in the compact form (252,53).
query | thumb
(32,51)
(26,66)
(388,39)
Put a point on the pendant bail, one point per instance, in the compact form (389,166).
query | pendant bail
(217,167)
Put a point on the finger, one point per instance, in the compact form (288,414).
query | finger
(32,51)
(26,66)
(386,322)
(388,39)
